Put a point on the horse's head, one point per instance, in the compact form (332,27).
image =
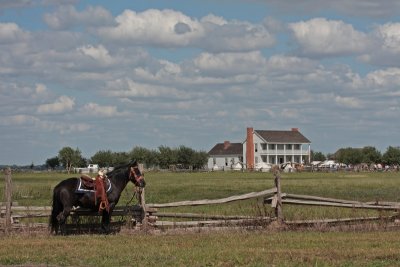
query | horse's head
(135,175)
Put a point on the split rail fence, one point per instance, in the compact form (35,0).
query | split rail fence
(149,213)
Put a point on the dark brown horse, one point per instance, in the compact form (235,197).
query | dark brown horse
(66,196)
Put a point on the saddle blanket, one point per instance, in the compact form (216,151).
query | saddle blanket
(82,189)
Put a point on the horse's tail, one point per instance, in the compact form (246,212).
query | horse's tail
(56,209)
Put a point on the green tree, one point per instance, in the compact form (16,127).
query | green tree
(120,158)
(185,156)
(391,156)
(103,157)
(140,154)
(146,156)
(70,157)
(200,160)
(152,159)
(52,163)
(371,155)
(167,157)
(349,155)
(317,156)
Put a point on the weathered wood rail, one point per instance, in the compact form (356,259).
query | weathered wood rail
(214,201)
(331,202)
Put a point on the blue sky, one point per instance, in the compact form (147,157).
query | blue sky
(112,75)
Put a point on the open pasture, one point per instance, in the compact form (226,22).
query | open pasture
(239,247)
(35,189)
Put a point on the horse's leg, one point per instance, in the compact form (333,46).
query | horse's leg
(105,222)
(62,219)
(106,218)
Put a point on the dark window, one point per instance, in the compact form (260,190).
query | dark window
(271,146)
(264,146)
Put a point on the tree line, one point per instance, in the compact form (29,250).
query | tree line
(186,158)
(368,155)
(163,157)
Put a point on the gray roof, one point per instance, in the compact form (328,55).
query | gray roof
(288,137)
(221,149)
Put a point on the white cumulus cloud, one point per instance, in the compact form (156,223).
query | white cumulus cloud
(62,104)
(229,63)
(67,16)
(170,28)
(94,109)
(98,53)
(129,88)
(348,102)
(11,33)
(322,37)
(153,27)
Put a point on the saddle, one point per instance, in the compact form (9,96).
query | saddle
(88,184)
(99,186)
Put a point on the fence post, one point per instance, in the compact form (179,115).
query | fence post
(143,204)
(8,200)
(142,200)
(278,207)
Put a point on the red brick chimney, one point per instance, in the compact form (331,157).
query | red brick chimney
(295,129)
(250,149)
(226,144)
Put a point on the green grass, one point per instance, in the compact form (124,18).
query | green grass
(233,248)
(237,248)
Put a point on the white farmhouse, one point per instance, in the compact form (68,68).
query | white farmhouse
(275,147)
(261,146)
(225,156)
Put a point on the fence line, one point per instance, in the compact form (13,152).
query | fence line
(272,196)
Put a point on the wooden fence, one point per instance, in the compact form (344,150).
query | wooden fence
(149,213)
(276,199)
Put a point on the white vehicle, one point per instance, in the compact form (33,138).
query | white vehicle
(263,167)
(91,168)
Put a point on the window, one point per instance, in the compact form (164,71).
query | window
(271,146)
(264,146)
(289,146)
(281,147)
(272,160)
(255,147)
(214,161)
(226,161)
(297,147)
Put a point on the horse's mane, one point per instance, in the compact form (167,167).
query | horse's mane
(123,167)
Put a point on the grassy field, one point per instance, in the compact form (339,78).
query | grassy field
(225,248)
(36,189)
(204,249)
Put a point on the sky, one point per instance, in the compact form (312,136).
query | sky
(113,75)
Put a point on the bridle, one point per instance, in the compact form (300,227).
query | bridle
(135,176)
